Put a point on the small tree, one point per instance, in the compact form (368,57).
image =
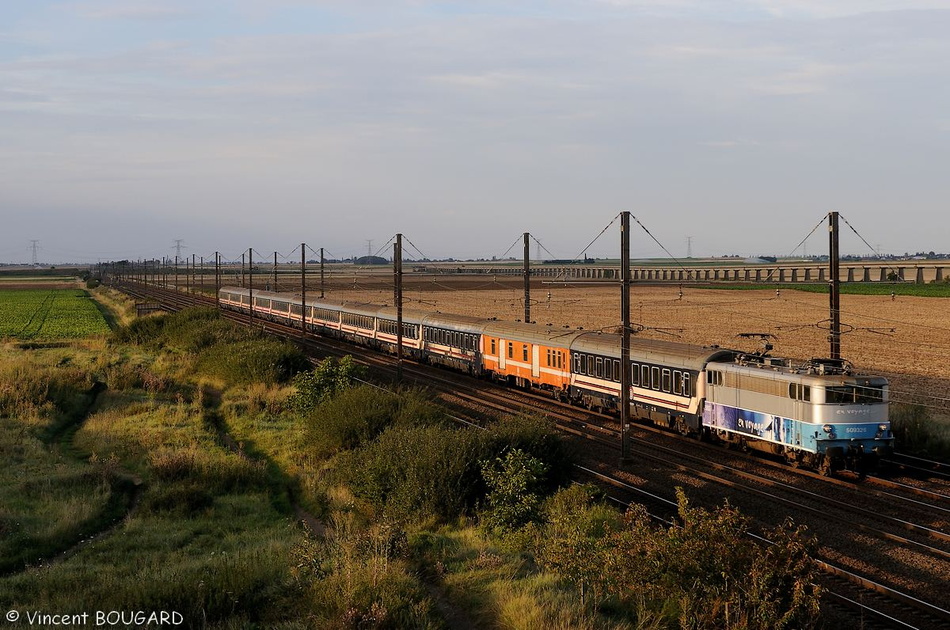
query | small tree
(324,381)
(514,491)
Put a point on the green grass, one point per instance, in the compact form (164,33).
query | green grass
(49,314)
(229,564)
(920,431)
(934,289)
(49,500)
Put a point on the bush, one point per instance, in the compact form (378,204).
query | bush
(360,578)
(514,491)
(416,472)
(708,568)
(538,437)
(918,431)
(253,361)
(359,414)
(324,381)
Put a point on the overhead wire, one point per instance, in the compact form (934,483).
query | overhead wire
(791,253)
(859,236)
(541,245)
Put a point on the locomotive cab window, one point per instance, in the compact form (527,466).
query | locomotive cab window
(854,394)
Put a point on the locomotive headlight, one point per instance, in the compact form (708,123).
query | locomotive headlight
(882,427)
(827,428)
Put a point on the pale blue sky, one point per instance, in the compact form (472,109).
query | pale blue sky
(125,124)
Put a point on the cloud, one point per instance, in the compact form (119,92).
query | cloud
(730,144)
(511,120)
(130,10)
(730,10)
(809,78)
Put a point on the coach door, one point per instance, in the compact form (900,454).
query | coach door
(535,361)
(502,353)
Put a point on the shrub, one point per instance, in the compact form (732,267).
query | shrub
(418,472)
(253,361)
(358,576)
(514,491)
(537,436)
(574,539)
(349,419)
(707,568)
(357,415)
(328,378)
(431,470)
(917,430)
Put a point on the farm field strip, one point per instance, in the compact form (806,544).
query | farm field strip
(29,314)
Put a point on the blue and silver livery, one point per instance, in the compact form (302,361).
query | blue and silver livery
(819,414)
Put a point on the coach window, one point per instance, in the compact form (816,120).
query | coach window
(666,381)
(511,350)
(645,376)
(806,393)
(677,382)
(524,353)
(599,367)
(493,346)
(655,378)
(634,373)
(686,385)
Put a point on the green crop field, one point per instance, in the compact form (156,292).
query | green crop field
(933,289)
(49,314)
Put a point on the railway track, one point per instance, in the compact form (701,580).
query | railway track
(905,564)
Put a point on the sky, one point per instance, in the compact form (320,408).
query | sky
(725,126)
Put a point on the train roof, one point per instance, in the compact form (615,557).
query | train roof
(409,315)
(460,323)
(653,351)
(361,308)
(269,295)
(810,371)
(532,333)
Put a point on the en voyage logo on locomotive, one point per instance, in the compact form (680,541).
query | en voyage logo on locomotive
(819,414)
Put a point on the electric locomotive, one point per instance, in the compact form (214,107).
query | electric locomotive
(818,414)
